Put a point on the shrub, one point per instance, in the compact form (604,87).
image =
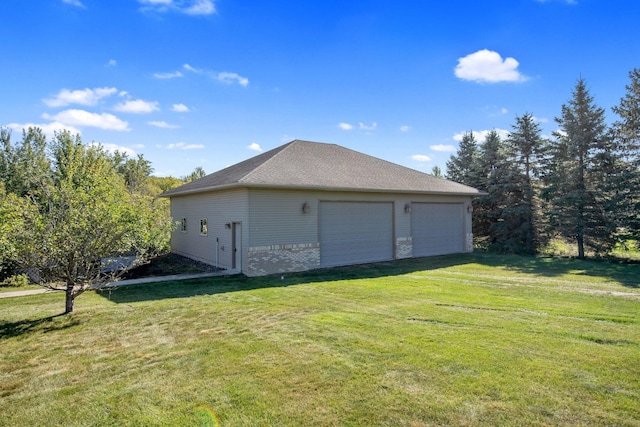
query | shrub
(17,281)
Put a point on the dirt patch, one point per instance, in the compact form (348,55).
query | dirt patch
(166,265)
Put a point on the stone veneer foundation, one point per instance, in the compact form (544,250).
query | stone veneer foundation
(404,247)
(264,260)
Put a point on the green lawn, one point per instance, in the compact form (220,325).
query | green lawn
(458,340)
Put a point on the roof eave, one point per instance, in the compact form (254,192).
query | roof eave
(322,188)
(200,190)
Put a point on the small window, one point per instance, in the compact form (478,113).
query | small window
(203,227)
(183,225)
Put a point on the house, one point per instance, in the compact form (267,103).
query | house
(307,205)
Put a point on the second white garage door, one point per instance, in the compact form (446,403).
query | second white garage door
(437,228)
(355,232)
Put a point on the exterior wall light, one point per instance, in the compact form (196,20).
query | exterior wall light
(470,208)
(305,208)
(407,208)
(228,226)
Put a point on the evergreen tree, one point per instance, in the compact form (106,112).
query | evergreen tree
(461,167)
(525,148)
(579,164)
(626,131)
(488,209)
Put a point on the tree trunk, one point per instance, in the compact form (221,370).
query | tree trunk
(580,246)
(69,298)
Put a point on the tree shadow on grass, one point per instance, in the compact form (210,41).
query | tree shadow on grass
(625,275)
(226,284)
(622,272)
(46,324)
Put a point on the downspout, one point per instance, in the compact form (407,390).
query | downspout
(217,252)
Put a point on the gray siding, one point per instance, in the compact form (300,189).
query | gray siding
(219,208)
(277,236)
(276,217)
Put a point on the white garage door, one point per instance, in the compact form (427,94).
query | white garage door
(355,232)
(437,228)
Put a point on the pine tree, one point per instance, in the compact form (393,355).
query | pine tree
(580,160)
(626,132)
(525,147)
(461,167)
(488,209)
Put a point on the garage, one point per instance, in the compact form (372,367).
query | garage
(355,232)
(437,228)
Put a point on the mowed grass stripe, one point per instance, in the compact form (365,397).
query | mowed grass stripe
(465,340)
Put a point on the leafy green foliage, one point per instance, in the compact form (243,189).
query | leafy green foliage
(18,280)
(197,173)
(73,210)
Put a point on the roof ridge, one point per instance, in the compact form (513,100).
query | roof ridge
(279,151)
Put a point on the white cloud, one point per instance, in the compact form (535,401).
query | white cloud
(190,68)
(76,3)
(49,129)
(137,106)
(85,118)
(112,148)
(162,124)
(443,147)
(230,78)
(166,76)
(481,135)
(345,126)
(185,146)
(486,66)
(371,128)
(255,147)
(541,119)
(180,108)
(188,7)
(200,7)
(112,63)
(82,97)
(421,158)
(405,128)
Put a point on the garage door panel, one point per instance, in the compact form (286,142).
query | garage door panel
(355,232)
(437,228)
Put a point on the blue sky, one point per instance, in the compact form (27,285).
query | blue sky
(209,83)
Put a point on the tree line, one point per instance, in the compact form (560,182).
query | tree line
(581,184)
(70,212)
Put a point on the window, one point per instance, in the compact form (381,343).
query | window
(203,227)
(183,225)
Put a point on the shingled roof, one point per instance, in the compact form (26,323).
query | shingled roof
(320,166)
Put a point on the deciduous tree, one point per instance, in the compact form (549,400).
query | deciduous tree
(79,218)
